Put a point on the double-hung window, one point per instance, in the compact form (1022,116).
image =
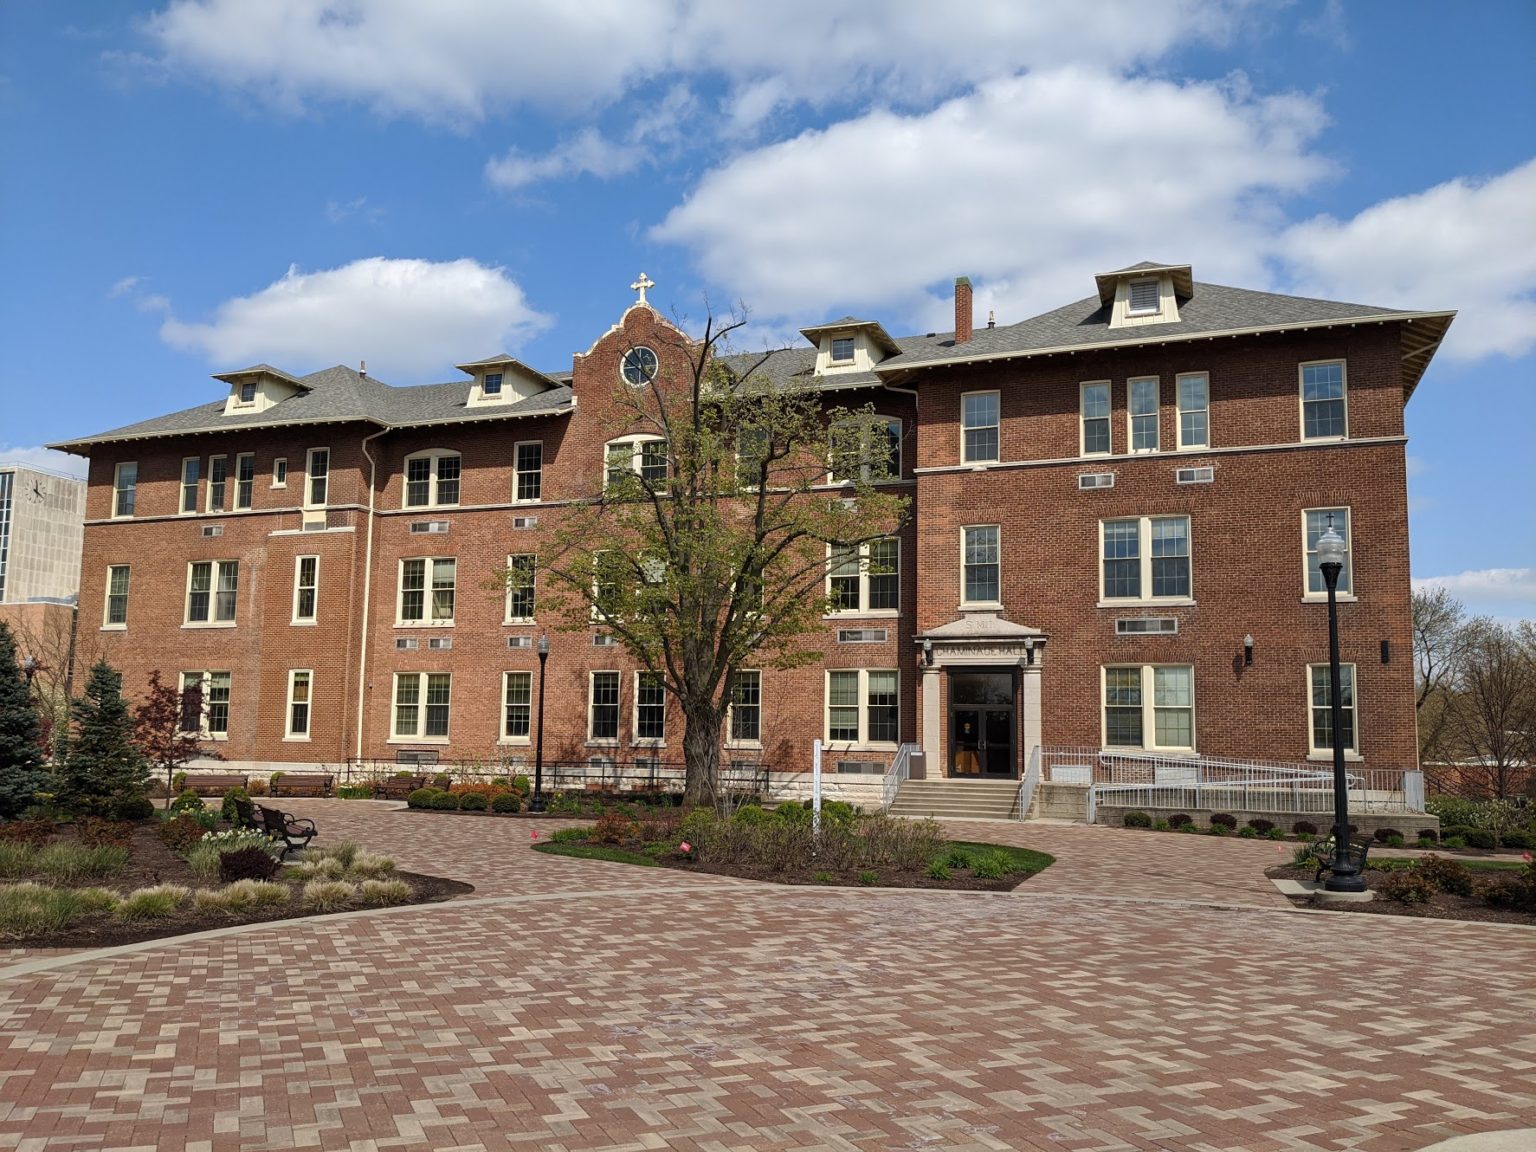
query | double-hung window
(1142,411)
(1093,405)
(528,471)
(218,482)
(317,470)
(866,451)
(979,427)
(746,706)
(517,705)
(1324,397)
(212,589)
(1150,706)
(300,680)
(650,707)
(432,479)
(125,487)
(1315,522)
(981,564)
(1145,559)
(1321,735)
(427,590)
(603,706)
(245,479)
(642,456)
(306,589)
(862,706)
(280,472)
(422,702)
(116,615)
(1194,409)
(521,571)
(865,577)
(205,698)
(191,473)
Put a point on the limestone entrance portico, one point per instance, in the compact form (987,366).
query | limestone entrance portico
(981,696)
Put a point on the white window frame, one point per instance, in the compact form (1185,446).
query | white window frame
(280,472)
(1178,399)
(205,684)
(965,530)
(1108,418)
(863,742)
(216,569)
(418,733)
(245,487)
(1149,709)
(866,451)
(1131,415)
(1130,296)
(518,471)
(310,457)
(434,458)
(1346,592)
(1352,751)
(732,740)
(507,706)
(298,589)
(290,732)
(636,445)
(428,618)
(636,705)
(832,350)
(997,456)
(1302,401)
(218,490)
(617,705)
(533,587)
(1144,560)
(487,388)
(120,490)
(863,555)
(194,464)
(106,601)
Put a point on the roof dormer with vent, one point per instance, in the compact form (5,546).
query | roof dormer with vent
(257,388)
(1145,293)
(849,345)
(504,380)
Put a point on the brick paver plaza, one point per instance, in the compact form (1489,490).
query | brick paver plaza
(1147,992)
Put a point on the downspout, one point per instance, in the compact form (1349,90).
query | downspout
(362,637)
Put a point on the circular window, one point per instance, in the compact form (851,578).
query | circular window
(639,366)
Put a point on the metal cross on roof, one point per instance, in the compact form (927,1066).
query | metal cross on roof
(641,285)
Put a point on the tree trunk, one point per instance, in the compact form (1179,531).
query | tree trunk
(701,752)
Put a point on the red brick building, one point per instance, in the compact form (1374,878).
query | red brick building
(1113,506)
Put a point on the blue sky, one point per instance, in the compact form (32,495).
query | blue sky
(193,186)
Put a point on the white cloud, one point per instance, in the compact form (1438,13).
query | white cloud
(39,457)
(1027,184)
(1464,244)
(338,211)
(1487,585)
(124,286)
(409,319)
(463,59)
(587,153)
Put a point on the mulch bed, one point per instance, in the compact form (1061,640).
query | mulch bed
(1440,906)
(886,878)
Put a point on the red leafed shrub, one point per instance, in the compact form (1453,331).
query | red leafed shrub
(181,832)
(249,863)
(96,833)
(613,828)
(35,831)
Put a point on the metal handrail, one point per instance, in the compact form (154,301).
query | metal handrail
(899,771)
(1029,783)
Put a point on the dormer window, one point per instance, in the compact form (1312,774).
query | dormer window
(492,385)
(842,350)
(248,392)
(1144,297)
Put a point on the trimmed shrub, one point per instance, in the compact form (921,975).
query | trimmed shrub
(1517,891)
(1457,830)
(1480,838)
(1453,842)
(178,782)
(1428,834)
(1514,838)
(131,808)
(180,832)
(522,785)
(1180,820)
(1408,886)
(421,798)
(246,864)
(1224,820)
(1137,820)
(1382,835)
(227,811)
(473,802)
(751,814)
(1262,826)
(444,802)
(1303,828)
(506,802)
(1446,875)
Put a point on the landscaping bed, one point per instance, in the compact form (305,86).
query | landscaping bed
(782,847)
(1435,888)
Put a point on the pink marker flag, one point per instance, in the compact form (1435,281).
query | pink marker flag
(533,834)
(685,846)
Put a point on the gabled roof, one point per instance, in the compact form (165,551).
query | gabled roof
(257,370)
(1183,278)
(875,330)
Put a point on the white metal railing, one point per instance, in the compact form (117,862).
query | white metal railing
(1149,780)
(1029,783)
(900,769)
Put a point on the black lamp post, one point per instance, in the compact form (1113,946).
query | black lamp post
(538,803)
(1345,874)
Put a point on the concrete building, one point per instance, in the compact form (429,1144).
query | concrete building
(42,527)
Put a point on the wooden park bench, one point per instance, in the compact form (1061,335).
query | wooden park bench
(213,783)
(399,787)
(1322,853)
(303,784)
(245,815)
(291,831)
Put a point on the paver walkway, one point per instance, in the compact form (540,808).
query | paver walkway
(580,1005)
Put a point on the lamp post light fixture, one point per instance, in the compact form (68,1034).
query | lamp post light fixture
(927,651)
(538,803)
(1345,874)
(1248,650)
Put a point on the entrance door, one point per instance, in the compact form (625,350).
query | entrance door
(981,724)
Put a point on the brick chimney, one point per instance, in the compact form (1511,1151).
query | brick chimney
(962,309)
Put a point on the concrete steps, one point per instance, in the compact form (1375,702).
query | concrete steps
(958,799)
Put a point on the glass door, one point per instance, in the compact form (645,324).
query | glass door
(981,725)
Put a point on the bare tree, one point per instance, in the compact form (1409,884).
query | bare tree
(1438,646)
(1491,712)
